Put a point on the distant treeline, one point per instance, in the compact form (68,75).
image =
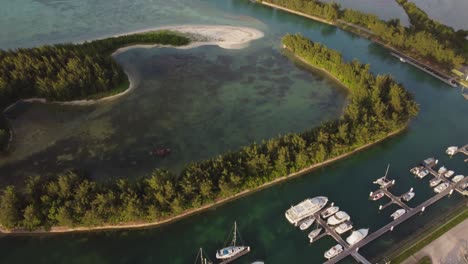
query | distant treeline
(377,106)
(420,21)
(69,71)
(427,39)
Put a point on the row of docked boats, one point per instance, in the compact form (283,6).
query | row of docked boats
(304,215)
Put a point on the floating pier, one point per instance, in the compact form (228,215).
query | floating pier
(395,200)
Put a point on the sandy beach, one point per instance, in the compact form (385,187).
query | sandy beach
(226,37)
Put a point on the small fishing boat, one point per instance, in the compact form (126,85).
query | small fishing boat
(333,252)
(306,223)
(344,227)
(416,170)
(441,187)
(408,196)
(232,250)
(434,182)
(376,195)
(329,211)
(451,150)
(398,213)
(458,178)
(449,174)
(442,170)
(312,235)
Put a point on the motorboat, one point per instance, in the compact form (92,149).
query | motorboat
(422,173)
(312,235)
(376,195)
(329,211)
(458,178)
(416,170)
(338,218)
(306,208)
(357,236)
(430,162)
(408,196)
(449,174)
(463,185)
(333,252)
(232,250)
(451,150)
(307,222)
(434,182)
(344,227)
(398,213)
(442,170)
(441,187)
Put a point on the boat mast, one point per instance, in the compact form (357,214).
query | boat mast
(388,167)
(201,255)
(234,236)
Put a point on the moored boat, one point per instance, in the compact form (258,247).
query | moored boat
(344,227)
(449,174)
(441,187)
(333,252)
(451,150)
(416,170)
(442,170)
(307,222)
(458,178)
(338,218)
(357,236)
(430,162)
(376,195)
(329,211)
(408,196)
(232,250)
(305,209)
(312,235)
(434,182)
(398,213)
(422,173)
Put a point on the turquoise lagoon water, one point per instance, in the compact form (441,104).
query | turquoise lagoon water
(226,99)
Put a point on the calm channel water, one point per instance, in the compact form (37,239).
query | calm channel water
(202,102)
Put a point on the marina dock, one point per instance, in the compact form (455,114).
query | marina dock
(353,249)
(426,68)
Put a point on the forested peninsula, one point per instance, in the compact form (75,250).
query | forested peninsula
(426,40)
(378,107)
(66,72)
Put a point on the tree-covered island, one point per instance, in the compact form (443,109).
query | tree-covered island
(378,107)
(66,72)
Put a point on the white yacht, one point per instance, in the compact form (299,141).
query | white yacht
(442,170)
(306,223)
(434,182)
(312,235)
(398,213)
(408,196)
(357,236)
(441,187)
(458,178)
(333,252)
(329,211)
(422,173)
(449,174)
(451,150)
(338,218)
(305,209)
(232,250)
(430,162)
(344,227)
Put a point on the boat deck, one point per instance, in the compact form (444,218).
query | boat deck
(236,256)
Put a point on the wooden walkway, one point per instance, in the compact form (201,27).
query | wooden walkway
(353,249)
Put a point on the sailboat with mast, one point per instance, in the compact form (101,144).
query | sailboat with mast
(233,250)
(383,181)
(202,258)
